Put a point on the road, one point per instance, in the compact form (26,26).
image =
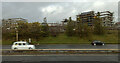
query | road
(63,57)
(85,58)
(70,46)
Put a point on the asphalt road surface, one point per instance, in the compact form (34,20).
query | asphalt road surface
(70,46)
(77,57)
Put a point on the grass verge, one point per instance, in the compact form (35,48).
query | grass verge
(63,39)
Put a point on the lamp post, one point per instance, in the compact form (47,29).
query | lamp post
(16,33)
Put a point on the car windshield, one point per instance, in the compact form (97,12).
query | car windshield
(97,41)
(20,43)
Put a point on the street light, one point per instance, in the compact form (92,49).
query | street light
(16,33)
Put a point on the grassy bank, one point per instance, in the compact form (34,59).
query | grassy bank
(63,39)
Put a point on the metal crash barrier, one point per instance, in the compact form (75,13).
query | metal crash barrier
(61,51)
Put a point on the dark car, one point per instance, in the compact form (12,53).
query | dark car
(96,42)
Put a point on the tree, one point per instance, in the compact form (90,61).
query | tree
(23,31)
(98,28)
(70,28)
(82,29)
(54,30)
(35,31)
(44,30)
(29,30)
(79,28)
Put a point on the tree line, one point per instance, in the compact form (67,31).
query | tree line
(82,30)
(35,30)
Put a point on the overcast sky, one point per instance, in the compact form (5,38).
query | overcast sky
(54,11)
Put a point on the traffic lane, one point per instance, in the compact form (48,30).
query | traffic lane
(77,46)
(87,57)
(62,62)
(70,46)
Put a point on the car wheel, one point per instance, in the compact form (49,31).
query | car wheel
(94,44)
(15,48)
(30,48)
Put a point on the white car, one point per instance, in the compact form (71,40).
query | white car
(22,45)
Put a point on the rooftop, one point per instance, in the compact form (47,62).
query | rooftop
(20,42)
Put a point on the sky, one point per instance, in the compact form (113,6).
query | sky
(55,11)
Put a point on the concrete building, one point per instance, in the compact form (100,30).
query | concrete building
(55,27)
(86,17)
(90,17)
(117,25)
(107,18)
(12,23)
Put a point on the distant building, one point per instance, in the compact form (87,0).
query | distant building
(90,17)
(86,17)
(55,27)
(12,23)
(65,22)
(54,24)
(117,25)
(107,18)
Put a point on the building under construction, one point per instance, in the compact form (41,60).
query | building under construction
(106,18)
(86,17)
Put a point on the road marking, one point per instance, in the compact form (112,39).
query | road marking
(64,49)
(66,55)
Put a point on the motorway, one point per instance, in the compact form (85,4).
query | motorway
(70,46)
(62,57)
(103,58)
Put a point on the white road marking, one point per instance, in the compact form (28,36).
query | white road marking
(64,49)
(66,55)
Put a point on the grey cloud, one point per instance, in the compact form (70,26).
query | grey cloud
(0,13)
(58,0)
(60,10)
